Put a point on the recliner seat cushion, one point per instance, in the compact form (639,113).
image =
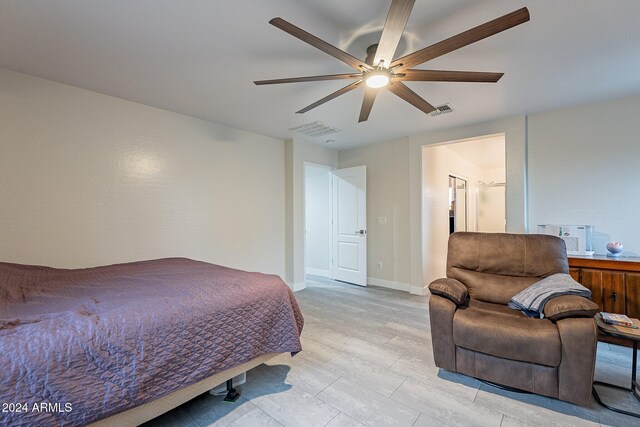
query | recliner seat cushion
(507,335)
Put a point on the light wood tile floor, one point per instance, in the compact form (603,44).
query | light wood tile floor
(367,361)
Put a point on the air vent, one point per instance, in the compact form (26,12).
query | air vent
(315,129)
(443,109)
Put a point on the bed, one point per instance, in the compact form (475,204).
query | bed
(130,341)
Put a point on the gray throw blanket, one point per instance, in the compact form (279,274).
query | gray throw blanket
(531,300)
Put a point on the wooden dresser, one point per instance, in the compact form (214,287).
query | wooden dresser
(614,283)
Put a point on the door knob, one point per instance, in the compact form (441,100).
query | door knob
(361,232)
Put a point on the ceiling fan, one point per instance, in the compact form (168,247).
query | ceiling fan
(380,70)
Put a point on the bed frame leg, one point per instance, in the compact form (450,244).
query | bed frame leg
(232,393)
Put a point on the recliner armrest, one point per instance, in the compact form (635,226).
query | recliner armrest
(569,306)
(452,289)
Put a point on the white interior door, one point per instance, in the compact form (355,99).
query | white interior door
(350,225)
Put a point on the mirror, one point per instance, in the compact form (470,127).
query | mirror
(457,204)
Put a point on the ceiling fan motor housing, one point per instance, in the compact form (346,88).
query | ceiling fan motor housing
(371,54)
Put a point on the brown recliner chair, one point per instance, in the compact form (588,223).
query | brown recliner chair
(476,334)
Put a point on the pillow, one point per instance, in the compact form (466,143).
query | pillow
(14,279)
(10,292)
(449,288)
(569,306)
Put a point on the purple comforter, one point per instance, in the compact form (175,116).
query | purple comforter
(80,345)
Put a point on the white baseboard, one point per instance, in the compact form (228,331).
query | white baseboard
(389,284)
(418,290)
(295,287)
(317,272)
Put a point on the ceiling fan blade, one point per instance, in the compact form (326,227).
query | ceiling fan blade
(319,44)
(367,103)
(466,38)
(330,96)
(449,76)
(309,79)
(392,31)
(410,96)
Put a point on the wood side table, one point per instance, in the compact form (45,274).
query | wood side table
(629,334)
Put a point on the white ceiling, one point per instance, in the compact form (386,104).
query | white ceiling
(200,57)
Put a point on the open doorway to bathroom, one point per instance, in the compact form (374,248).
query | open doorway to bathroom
(463,189)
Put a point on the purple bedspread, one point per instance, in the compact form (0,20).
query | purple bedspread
(77,346)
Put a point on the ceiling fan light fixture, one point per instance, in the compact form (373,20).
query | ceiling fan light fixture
(377,78)
(391,73)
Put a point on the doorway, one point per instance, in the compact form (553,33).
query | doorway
(463,189)
(317,217)
(335,223)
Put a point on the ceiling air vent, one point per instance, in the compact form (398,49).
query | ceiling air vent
(443,109)
(315,129)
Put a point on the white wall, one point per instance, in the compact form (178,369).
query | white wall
(491,209)
(88,179)
(583,169)
(317,181)
(297,152)
(387,197)
(491,201)
(438,163)
(495,175)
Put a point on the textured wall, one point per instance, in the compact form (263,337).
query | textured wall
(89,179)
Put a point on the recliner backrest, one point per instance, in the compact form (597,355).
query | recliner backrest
(496,266)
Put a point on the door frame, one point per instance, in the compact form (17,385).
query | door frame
(429,257)
(330,170)
(466,192)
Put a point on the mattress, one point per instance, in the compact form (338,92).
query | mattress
(80,345)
